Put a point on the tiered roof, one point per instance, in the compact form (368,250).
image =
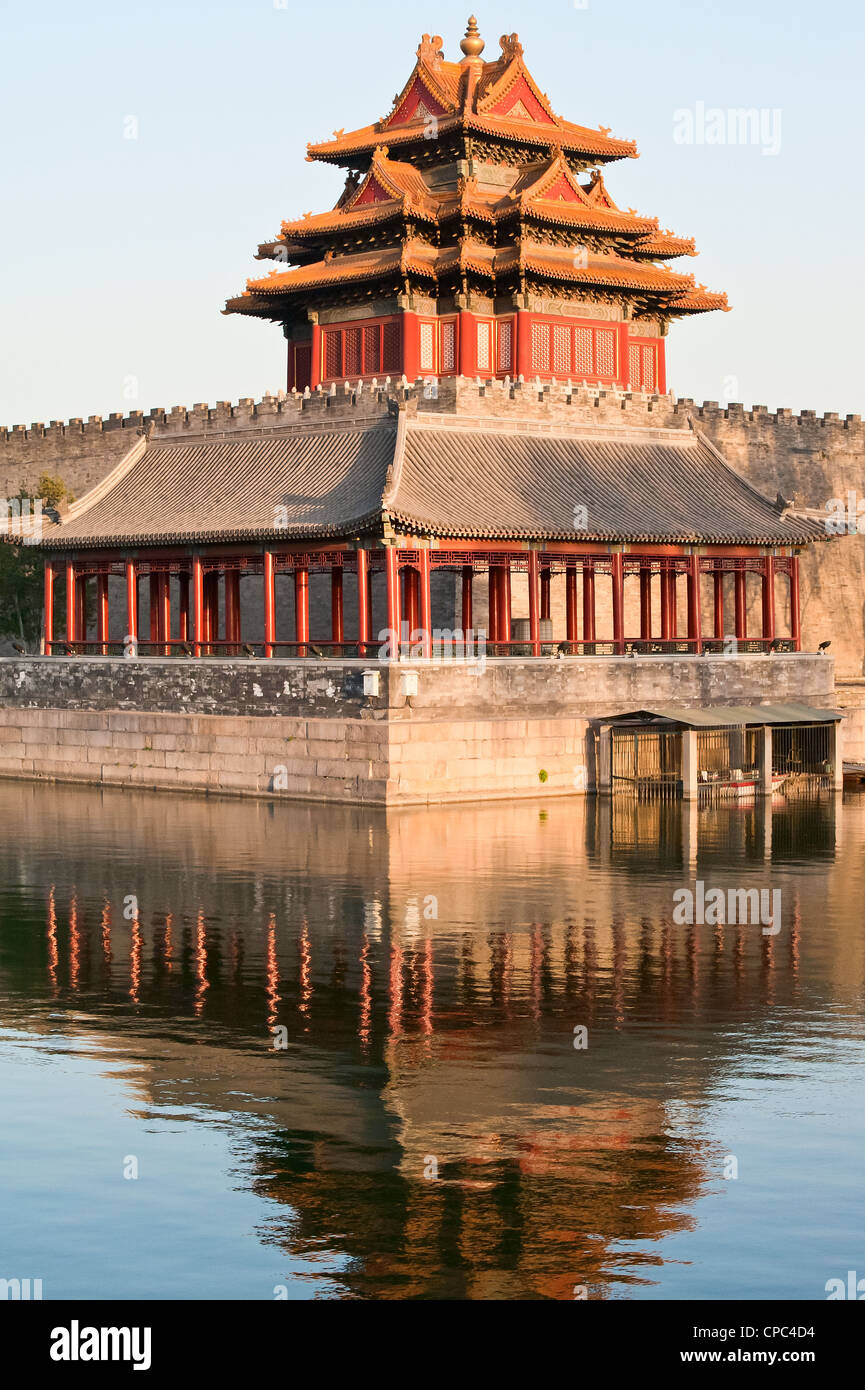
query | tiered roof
(525,216)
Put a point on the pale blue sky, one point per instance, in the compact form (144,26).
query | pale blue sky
(118,254)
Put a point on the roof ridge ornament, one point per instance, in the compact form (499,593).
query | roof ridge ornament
(430,50)
(511,47)
(472,44)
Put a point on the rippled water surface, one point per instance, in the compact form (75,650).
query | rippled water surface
(337,1046)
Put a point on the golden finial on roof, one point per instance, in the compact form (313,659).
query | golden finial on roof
(472,45)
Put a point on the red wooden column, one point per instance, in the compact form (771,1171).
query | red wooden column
(493,579)
(410,589)
(71,605)
(588,606)
(669,617)
(269,603)
(618,576)
(315,357)
(468,344)
(571,603)
(467,619)
(232,609)
(364,607)
(741,606)
(183,628)
(132,602)
(769,599)
(646,602)
(301,610)
(48,606)
(534,609)
(718,595)
(425,597)
(546,587)
(410,345)
(695,624)
(505,603)
(337,625)
(165,612)
(392,586)
(524,344)
(211,610)
(102,612)
(197,605)
(795,605)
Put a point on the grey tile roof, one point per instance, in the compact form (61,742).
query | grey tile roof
(437,476)
(637,484)
(329,481)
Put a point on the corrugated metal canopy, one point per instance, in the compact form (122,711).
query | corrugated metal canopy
(730,716)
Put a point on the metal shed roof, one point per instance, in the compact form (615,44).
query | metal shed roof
(730,716)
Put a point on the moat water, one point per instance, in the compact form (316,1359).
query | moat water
(254,1051)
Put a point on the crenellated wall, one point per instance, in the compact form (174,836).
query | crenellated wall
(810,459)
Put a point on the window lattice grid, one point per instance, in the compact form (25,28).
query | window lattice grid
(391,347)
(449,346)
(540,347)
(584,364)
(483,347)
(605,351)
(427,355)
(562,349)
(648,373)
(506,346)
(634,374)
(372,349)
(332,354)
(353,354)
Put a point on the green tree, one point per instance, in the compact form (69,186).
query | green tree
(21,569)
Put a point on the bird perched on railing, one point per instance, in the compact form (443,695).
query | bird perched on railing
(20,648)
(824,646)
(249,649)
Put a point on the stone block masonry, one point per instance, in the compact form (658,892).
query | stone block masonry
(305,729)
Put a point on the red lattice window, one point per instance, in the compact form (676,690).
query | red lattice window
(605,352)
(353,349)
(427,347)
(643,366)
(633,367)
(570,350)
(562,339)
(506,345)
(484,346)
(302,366)
(391,347)
(372,343)
(585,360)
(449,345)
(333,353)
(540,347)
(362,350)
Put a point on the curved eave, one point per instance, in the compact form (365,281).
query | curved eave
(224,537)
(427,527)
(575,140)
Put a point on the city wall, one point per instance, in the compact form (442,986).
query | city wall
(501,729)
